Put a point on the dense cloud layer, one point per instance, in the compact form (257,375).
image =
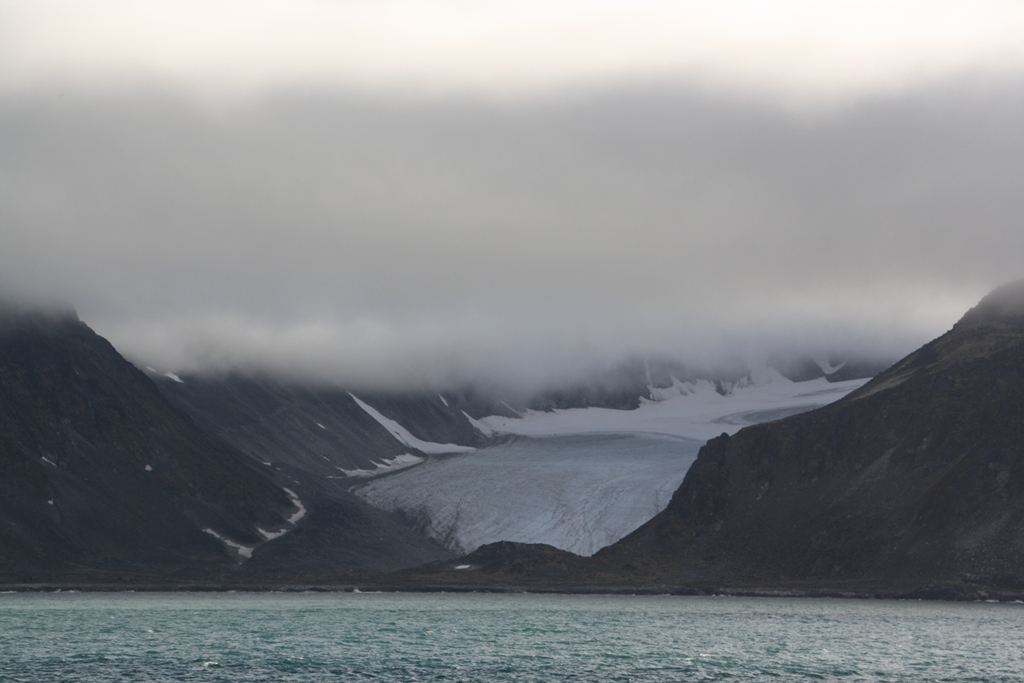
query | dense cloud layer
(387,240)
(508,194)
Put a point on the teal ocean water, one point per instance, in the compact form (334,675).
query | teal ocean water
(467,637)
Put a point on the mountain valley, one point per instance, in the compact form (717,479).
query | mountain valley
(908,481)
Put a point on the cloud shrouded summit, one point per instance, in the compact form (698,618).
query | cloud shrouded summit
(400,236)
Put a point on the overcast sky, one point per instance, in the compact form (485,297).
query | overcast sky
(400,193)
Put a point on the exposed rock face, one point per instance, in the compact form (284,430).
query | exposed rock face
(319,429)
(916,477)
(102,478)
(502,564)
(98,470)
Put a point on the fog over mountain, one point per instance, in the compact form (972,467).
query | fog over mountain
(442,213)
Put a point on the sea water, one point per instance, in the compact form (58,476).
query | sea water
(98,638)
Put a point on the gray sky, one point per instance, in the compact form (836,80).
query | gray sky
(403,193)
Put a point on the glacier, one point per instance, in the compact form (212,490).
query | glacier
(695,410)
(577,492)
(582,478)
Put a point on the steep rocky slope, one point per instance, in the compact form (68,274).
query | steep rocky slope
(98,470)
(102,478)
(318,428)
(917,477)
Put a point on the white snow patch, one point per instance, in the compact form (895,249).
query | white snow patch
(171,375)
(445,402)
(50,502)
(243,550)
(397,463)
(827,367)
(48,461)
(271,535)
(691,409)
(320,426)
(149,468)
(406,438)
(461,566)
(296,516)
(478,425)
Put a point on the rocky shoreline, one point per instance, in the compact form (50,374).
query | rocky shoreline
(951,591)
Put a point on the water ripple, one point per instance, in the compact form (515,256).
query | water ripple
(233,638)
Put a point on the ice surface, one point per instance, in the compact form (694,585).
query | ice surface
(692,409)
(406,438)
(580,479)
(578,493)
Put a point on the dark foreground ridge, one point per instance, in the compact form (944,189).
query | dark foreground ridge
(910,487)
(916,477)
(103,480)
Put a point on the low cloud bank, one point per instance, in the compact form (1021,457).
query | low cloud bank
(423,242)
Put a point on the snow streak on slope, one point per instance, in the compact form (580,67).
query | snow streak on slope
(386,465)
(405,436)
(579,493)
(696,410)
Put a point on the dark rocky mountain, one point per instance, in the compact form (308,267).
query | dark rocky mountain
(101,476)
(915,479)
(98,470)
(316,428)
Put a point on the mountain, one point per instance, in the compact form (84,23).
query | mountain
(103,478)
(99,471)
(910,486)
(915,479)
(319,428)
